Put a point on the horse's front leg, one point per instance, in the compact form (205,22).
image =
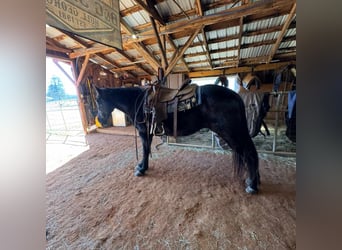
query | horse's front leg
(141,168)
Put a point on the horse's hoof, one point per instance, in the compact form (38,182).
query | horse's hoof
(248,181)
(250,190)
(138,173)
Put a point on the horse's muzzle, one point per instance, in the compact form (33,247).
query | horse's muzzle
(98,123)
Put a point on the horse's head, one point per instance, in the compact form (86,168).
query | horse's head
(104,109)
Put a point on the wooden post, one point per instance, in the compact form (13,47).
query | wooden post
(161,76)
(80,99)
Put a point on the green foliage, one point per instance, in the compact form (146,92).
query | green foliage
(56,89)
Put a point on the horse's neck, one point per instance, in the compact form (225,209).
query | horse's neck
(126,100)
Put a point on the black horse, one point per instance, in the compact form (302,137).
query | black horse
(221,110)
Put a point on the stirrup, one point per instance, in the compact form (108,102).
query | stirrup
(159,130)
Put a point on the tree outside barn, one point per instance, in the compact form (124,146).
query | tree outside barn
(56,91)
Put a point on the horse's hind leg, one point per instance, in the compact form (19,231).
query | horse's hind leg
(244,153)
(252,162)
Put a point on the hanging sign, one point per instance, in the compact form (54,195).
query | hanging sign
(98,20)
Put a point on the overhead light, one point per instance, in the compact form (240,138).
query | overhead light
(134,36)
(103,73)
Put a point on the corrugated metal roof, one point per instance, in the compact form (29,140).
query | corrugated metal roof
(225,41)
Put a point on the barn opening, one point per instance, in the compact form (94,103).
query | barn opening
(65,137)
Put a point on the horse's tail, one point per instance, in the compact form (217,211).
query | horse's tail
(246,159)
(238,162)
(245,156)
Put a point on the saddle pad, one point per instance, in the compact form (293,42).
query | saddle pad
(166,94)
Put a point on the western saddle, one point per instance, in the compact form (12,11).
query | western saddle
(161,100)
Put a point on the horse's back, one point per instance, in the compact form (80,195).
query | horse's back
(214,95)
(218,92)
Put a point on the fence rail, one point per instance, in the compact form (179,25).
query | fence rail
(63,122)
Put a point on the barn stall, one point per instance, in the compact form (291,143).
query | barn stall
(190,198)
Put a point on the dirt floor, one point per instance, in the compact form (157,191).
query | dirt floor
(189,199)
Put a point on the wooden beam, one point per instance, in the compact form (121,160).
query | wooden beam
(52,45)
(226,15)
(263,31)
(141,48)
(207,51)
(122,53)
(130,10)
(112,63)
(282,33)
(150,10)
(84,66)
(89,51)
(147,55)
(161,47)
(56,54)
(199,11)
(132,67)
(257,44)
(181,52)
(173,45)
(240,38)
(212,52)
(199,8)
(80,101)
(181,9)
(269,66)
(56,62)
(244,69)
(86,50)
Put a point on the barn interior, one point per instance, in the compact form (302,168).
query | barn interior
(253,44)
(246,40)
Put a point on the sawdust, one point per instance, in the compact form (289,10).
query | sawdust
(189,199)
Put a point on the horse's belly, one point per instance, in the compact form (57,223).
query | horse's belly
(187,123)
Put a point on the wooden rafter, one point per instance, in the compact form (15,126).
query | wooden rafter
(282,33)
(199,11)
(150,10)
(207,51)
(98,51)
(157,42)
(147,55)
(124,68)
(180,53)
(92,50)
(244,69)
(173,45)
(226,15)
(240,38)
(56,62)
(141,48)
(84,66)
(139,65)
(161,47)
(52,45)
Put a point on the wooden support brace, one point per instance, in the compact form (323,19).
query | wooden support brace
(84,66)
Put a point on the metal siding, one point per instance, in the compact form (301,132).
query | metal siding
(126,4)
(168,8)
